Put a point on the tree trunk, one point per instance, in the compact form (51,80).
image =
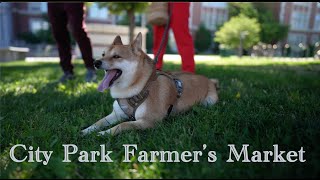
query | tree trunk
(240,49)
(131,24)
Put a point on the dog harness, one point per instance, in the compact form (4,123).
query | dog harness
(130,105)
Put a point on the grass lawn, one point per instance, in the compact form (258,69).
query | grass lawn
(262,102)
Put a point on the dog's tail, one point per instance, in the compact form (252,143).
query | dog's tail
(216,83)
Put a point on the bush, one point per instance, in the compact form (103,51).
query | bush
(203,39)
(41,36)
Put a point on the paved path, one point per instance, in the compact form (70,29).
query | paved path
(177,59)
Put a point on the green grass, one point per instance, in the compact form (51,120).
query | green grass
(262,102)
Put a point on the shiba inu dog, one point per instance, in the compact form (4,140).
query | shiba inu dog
(143,95)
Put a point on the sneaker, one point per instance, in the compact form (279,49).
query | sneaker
(91,76)
(66,76)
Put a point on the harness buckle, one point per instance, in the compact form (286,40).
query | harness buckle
(179,86)
(132,118)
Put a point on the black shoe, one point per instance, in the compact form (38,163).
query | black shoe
(66,77)
(91,76)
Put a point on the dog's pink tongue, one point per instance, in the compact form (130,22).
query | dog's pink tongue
(106,80)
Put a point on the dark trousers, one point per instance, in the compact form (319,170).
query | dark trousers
(60,14)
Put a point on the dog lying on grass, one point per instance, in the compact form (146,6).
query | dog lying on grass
(143,95)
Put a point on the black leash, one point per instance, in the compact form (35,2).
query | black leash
(164,35)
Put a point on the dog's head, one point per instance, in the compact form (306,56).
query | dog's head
(120,63)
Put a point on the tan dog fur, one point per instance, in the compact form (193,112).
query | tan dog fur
(136,68)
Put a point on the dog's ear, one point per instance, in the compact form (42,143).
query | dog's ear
(137,43)
(117,41)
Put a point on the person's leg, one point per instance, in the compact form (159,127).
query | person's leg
(76,16)
(180,27)
(58,20)
(158,32)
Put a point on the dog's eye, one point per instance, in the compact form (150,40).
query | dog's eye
(116,56)
(103,54)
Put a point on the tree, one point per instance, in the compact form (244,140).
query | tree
(125,21)
(245,8)
(40,36)
(149,38)
(239,32)
(203,38)
(271,30)
(129,8)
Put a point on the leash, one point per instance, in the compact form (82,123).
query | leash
(130,105)
(164,34)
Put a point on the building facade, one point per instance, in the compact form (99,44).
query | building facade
(6,34)
(210,14)
(304,21)
(302,17)
(32,16)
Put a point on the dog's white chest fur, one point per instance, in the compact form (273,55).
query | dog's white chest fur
(140,112)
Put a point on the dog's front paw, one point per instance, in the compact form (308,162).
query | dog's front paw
(88,130)
(103,133)
(83,133)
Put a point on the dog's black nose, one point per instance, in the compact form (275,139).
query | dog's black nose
(97,63)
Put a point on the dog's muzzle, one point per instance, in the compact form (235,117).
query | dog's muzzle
(97,64)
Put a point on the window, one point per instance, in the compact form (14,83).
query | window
(37,24)
(210,19)
(37,7)
(316,25)
(296,38)
(213,13)
(44,7)
(34,6)
(299,20)
(301,4)
(315,38)
(282,10)
(97,13)
(215,4)
(208,14)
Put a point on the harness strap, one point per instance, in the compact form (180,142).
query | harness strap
(179,86)
(178,82)
(130,105)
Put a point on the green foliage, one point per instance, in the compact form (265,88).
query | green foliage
(125,21)
(88,4)
(246,8)
(229,33)
(41,36)
(203,38)
(149,41)
(271,30)
(149,38)
(129,8)
(29,37)
(119,7)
